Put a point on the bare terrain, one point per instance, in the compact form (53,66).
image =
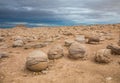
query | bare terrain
(62,70)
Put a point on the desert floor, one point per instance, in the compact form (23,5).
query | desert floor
(63,70)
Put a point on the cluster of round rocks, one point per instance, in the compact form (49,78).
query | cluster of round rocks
(38,60)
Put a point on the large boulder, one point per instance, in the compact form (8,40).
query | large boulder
(37,61)
(55,52)
(77,51)
(18,43)
(103,56)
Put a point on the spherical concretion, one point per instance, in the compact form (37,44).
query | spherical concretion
(103,56)
(77,51)
(55,52)
(37,61)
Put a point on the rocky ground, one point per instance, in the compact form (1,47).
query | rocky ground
(79,57)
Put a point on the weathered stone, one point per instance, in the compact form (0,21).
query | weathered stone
(114,49)
(77,51)
(37,61)
(93,40)
(103,56)
(55,52)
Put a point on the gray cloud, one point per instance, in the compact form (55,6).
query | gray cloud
(76,11)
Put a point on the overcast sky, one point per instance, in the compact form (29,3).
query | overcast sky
(59,12)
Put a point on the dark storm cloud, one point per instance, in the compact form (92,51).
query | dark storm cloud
(76,11)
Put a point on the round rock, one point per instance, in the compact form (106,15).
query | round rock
(55,52)
(103,56)
(77,51)
(37,61)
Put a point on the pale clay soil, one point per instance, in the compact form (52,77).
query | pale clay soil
(63,70)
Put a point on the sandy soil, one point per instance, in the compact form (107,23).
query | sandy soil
(63,70)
